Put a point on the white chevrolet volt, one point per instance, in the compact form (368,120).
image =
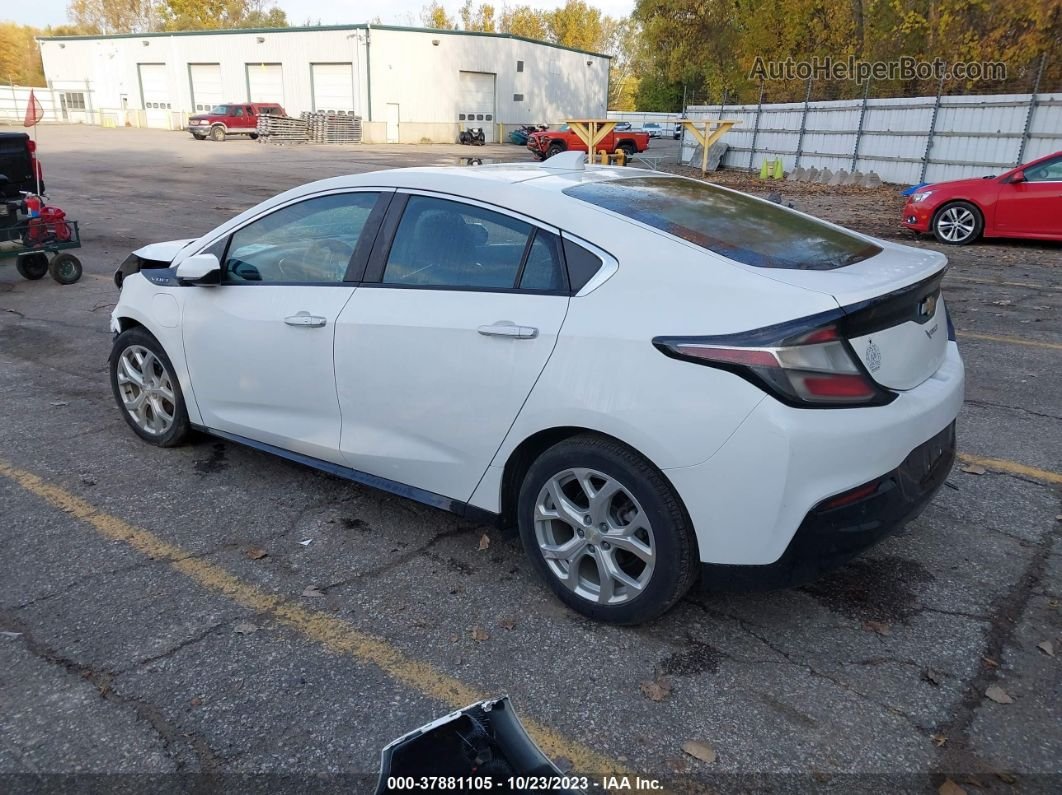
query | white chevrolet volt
(653,377)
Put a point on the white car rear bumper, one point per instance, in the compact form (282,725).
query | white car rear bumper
(749,499)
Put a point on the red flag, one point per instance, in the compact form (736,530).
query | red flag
(34,112)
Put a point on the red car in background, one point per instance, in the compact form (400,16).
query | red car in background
(1024,202)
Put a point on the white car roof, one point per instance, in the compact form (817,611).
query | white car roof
(531,189)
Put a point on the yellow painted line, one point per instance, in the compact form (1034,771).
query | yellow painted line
(330,632)
(1051,346)
(1031,285)
(1012,468)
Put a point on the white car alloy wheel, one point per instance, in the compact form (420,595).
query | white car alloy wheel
(147,390)
(595,537)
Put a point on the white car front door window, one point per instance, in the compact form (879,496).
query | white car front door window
(259,345)
(435,359)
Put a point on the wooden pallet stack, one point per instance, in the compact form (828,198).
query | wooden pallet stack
(331,127)
(282,130)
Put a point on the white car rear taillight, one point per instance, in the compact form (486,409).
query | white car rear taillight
(810,368)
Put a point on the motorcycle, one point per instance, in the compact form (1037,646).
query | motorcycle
(473,136)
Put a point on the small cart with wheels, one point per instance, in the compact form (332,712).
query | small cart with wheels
(41,245)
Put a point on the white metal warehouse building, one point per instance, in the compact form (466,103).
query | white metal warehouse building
(409,85)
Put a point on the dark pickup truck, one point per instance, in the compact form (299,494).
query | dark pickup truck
(19,172)
(19,165)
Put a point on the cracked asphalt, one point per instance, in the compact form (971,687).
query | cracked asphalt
(154,616)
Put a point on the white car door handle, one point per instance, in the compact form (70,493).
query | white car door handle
(505,328)
(305,319)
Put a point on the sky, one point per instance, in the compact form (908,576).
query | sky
(395,12)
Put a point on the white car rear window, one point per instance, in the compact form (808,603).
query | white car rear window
(733,224)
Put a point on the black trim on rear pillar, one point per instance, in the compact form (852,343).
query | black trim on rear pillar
(422,496)
(830,537)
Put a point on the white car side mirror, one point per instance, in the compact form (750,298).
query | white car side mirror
(199,269)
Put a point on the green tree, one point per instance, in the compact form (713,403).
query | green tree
(435,16)
(478,18)
(219,14)
(114,16)
(525,21)
(20,59)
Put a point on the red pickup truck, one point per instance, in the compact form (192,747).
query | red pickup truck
(233,118)
(553,141)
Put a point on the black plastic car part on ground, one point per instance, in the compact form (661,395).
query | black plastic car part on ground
(482,747)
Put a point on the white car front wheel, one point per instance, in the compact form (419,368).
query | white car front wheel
(147,390)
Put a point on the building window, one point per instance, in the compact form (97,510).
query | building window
(460,117)
(519,66)
(518,97)
(75,100)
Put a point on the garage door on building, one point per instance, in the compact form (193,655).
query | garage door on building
(265,82)
(207,90)
(475,103)
(333,86)
(155,94)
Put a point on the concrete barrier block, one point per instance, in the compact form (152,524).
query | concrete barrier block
(872,180)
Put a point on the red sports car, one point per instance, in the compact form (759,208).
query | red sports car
(1024,202)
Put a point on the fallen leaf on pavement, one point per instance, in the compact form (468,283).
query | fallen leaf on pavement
(656,690)
(306,542)
(932,677)
(938,739)
(988,661)
(60,403)
(1047,647)
(949,787)
(484,542)
(312,592)
(245,628)
(877,626)
(256,553)
(1006,778)
(479,634)
(507,623)
(699,751)
(974,469)
(999,695)
(456,589)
